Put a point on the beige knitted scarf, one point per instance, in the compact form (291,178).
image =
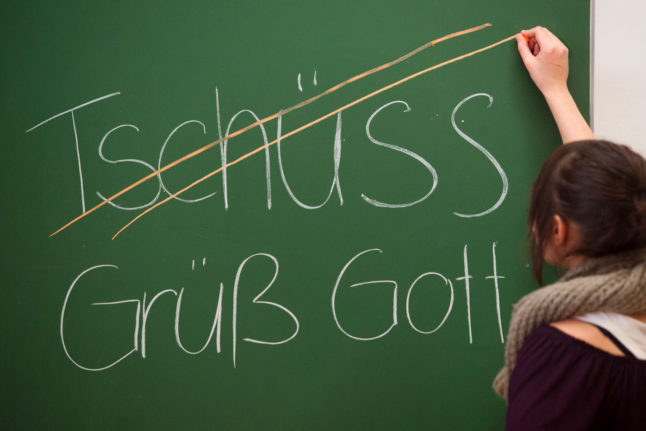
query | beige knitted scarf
(612,283)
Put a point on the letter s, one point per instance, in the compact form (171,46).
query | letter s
(492,159)
(415,156)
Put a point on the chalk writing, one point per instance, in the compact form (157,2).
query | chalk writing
(143,306)
(139,310)
(336,153)
(274,116)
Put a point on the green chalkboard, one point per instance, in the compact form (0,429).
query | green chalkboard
(360,276)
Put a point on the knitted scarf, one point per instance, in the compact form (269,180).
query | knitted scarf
(611,283)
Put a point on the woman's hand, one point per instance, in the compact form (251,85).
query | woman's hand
(546,59)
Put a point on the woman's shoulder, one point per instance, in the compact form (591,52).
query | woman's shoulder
(588,333)
(557,348)
(562,383)
(570,352)
(561,377)
(609,332)
(574,340)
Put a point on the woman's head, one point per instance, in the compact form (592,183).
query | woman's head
(597,187)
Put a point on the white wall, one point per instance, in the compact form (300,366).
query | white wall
(619,71)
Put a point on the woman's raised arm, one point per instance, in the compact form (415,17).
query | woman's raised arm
(546,60)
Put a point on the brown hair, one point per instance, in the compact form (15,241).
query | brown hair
(600,186)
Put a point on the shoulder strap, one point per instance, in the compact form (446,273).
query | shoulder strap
(615,341)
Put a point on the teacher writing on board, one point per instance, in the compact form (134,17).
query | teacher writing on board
(576,352)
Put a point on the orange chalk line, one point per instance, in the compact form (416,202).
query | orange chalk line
(269,118)
(384,66)
(311,123)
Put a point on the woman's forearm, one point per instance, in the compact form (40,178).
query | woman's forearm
(567,116)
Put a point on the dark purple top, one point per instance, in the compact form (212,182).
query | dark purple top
(561,383)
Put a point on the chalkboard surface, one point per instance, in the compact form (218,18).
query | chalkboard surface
(358,274)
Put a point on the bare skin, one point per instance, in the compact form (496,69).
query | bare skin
(590,334)
(546,60)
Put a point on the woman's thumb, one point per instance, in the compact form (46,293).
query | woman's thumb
(523,50)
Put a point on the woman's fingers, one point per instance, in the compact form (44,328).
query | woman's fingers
(545,58)
(539,34)
(541,39)
(524,50)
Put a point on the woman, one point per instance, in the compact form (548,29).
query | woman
(575,357)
